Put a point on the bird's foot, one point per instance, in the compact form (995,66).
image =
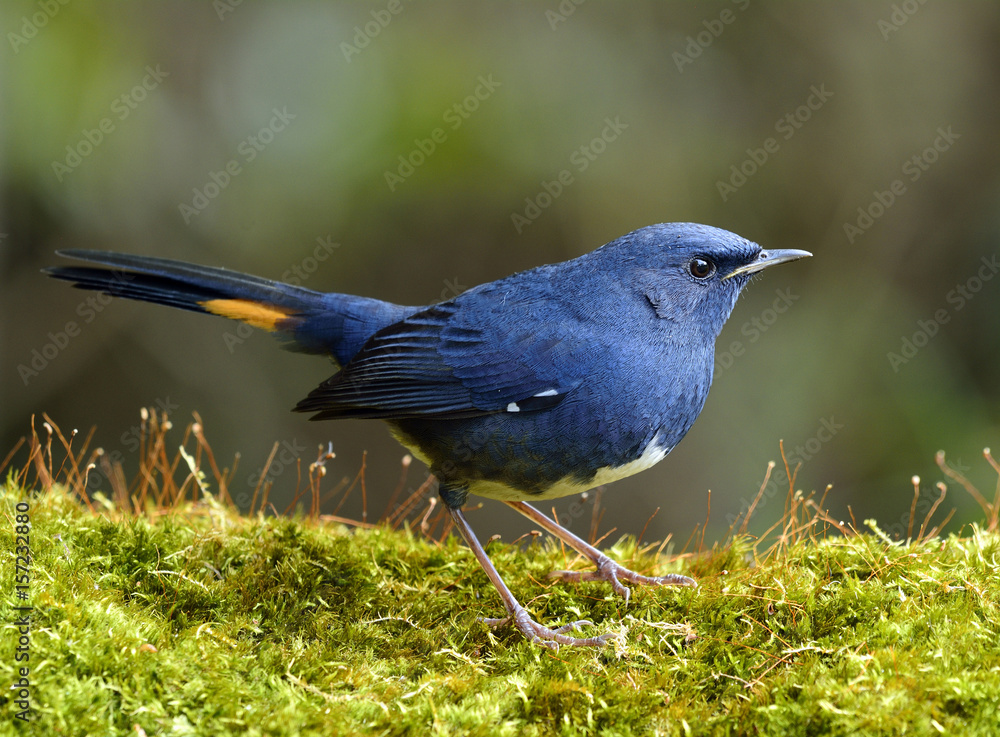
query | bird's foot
(542,635)
(614,573)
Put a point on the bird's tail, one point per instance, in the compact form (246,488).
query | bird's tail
(308,321)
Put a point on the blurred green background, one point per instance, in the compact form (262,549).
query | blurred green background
(385,149)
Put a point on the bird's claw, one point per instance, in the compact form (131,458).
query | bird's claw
(545,636)
(614,573)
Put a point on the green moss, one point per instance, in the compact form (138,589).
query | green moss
(203,622)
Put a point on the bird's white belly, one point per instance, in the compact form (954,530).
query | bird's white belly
(652,454)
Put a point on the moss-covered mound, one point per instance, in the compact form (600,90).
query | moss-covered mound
(200,621)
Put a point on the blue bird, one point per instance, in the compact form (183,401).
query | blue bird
(546,383)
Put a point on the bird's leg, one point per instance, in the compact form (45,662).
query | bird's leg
(607,569)
(537,633)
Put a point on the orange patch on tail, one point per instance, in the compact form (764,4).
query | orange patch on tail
(256,314)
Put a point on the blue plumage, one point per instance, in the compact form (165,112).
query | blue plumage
(619,343)
(545,383)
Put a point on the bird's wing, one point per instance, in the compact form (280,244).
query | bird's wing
(451,361)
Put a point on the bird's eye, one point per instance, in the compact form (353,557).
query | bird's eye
(701,267)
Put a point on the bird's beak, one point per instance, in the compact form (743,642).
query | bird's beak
(767,259)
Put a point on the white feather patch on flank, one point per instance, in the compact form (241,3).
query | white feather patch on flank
(547,393)
(653,453)
(512,407)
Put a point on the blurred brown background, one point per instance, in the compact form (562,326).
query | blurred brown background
(385,149)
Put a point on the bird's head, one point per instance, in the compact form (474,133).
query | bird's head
(691,274)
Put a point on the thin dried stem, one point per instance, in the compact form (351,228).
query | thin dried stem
(931,511)
(913,507)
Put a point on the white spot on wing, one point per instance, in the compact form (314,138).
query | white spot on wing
(512,407)
(547,393)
